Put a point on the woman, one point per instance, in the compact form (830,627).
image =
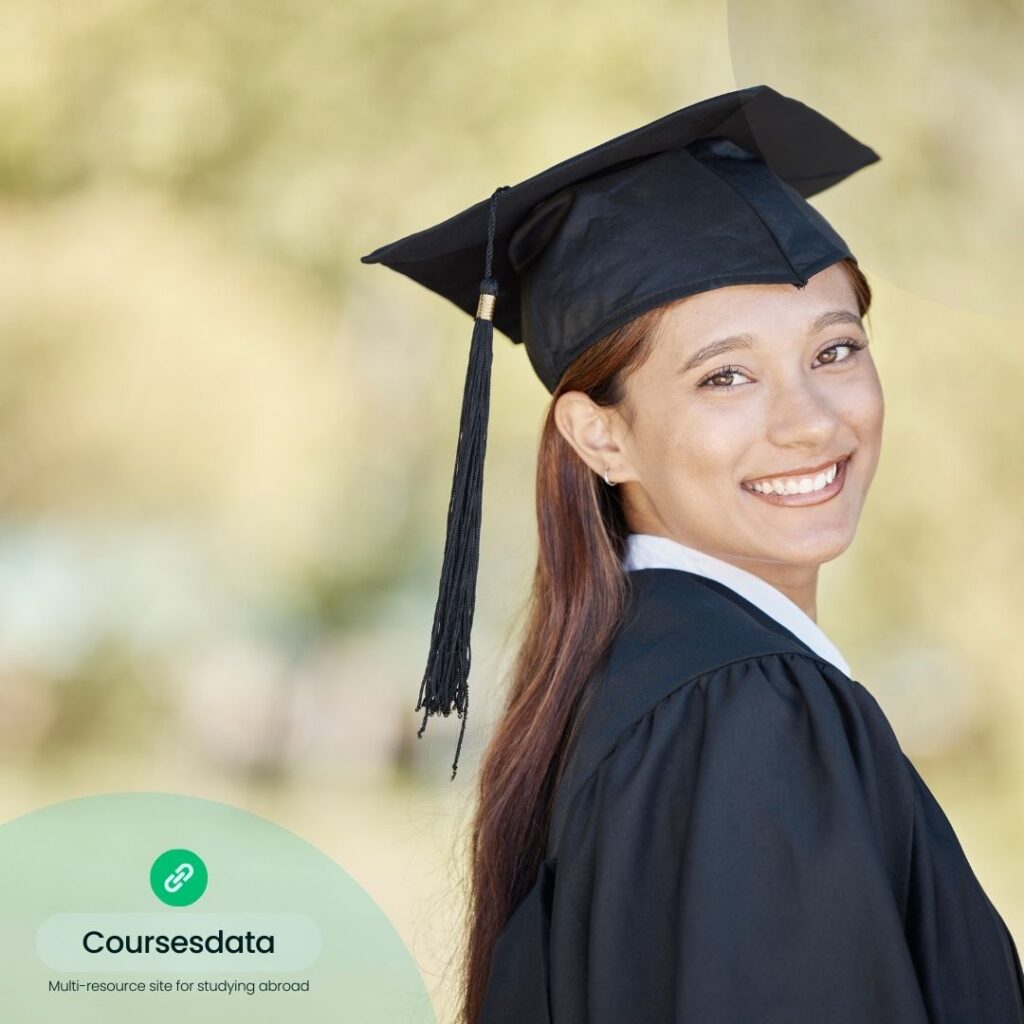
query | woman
(689,811)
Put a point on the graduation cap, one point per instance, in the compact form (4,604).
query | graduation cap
(714,194)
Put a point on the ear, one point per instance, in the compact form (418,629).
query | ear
(537,229)
(589,430)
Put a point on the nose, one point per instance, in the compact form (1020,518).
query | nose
(802,415)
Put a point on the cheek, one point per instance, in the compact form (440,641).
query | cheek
(692,455)
(865,408)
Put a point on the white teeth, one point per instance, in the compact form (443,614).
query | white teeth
(797,485)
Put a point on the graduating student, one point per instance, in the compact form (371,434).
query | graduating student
(690,812)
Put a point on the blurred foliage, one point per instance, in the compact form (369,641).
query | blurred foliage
(934,88)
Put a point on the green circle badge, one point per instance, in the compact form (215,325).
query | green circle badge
(178,877)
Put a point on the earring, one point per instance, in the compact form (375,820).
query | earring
(606,480)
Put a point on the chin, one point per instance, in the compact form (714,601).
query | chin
(817,548)
(805,536)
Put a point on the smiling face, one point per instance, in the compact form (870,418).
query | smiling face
(791,391)
(744,383)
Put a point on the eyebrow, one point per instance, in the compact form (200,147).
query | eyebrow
(746,341)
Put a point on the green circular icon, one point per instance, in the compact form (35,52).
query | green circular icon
(178,877)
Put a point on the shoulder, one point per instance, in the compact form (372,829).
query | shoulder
(676,628)
(758,720)
(745,846)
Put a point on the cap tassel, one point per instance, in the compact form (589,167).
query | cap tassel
(445,684)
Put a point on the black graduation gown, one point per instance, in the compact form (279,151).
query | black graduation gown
(739,839)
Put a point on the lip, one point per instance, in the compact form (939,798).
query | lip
(804,471)
(811,497)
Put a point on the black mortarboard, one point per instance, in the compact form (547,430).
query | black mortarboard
(709,196)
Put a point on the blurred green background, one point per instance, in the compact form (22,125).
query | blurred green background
(228,444)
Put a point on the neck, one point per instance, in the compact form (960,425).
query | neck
(798,582)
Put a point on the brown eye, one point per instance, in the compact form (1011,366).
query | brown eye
(854,346)
(725,371)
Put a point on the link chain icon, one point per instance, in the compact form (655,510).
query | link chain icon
(178,877)
(172,883)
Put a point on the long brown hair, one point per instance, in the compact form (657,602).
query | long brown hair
(575,604)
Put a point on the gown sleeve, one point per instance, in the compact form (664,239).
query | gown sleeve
(739,855)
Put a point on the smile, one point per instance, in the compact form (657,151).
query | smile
(811,489)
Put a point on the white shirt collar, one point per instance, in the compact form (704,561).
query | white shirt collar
(647,551)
